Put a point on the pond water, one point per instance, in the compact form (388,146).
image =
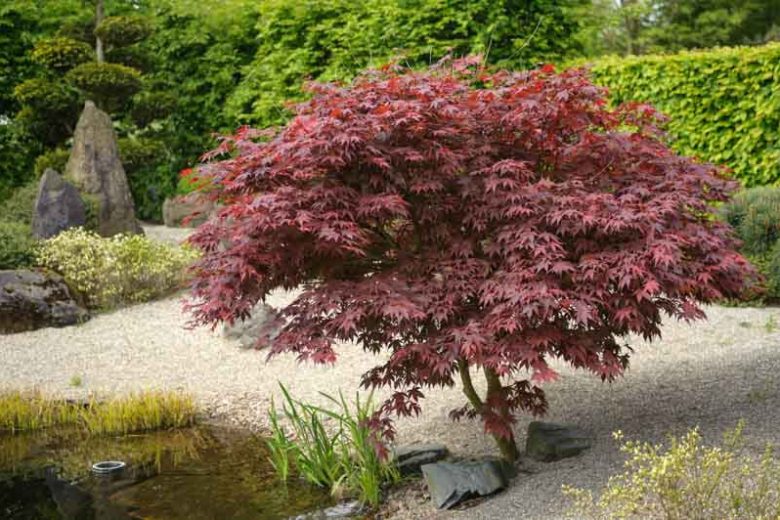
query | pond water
(205,472)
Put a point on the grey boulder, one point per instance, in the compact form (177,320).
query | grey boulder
(410,459)
(31,300)
(57,207)
(452,482)
(548,442)
(95,168)
(262,322)
(195,208)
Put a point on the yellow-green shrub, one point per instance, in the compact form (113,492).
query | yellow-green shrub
(724,103)
(61,53)
(108,83)
(687,480)
(120,31)
(114,271)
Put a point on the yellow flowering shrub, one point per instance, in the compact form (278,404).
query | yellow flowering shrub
(115,271)
(687,480)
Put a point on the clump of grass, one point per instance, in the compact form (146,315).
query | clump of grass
(23,412)
(687,480)
(75,381)
(344,457)
(140,412)
(33,411)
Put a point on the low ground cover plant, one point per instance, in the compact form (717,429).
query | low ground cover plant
(16,245)
(115,271)
(30,411)
(339,448)
(687,479)
(467,223)
(16,240)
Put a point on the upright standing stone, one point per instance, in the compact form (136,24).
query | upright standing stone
(57,207)
(94,166)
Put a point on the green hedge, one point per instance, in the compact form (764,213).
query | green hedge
(325,40)
(724,103)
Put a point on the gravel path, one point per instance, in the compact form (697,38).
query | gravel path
(710,374)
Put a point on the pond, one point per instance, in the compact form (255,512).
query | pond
(206,472)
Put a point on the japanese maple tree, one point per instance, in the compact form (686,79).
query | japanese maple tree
(460,219)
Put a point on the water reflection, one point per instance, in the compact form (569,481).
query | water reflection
(198,473)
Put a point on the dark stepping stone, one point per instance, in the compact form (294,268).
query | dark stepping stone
(453,482)
(548,442)
(409,459)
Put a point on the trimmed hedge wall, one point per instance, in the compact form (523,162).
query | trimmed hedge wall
(724,103)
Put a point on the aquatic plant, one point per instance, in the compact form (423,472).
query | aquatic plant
(339,449)
(30,411)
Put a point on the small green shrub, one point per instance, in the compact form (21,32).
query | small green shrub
(149,106)
(754,214)
(687,480)
(19,206)
(139,153)
(61,54)
(107,83)
(16,245)
(335,449)
(120,31)
(55,159)
(115,271)
(24,412)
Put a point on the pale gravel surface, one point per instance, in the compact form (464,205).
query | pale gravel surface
(709,374)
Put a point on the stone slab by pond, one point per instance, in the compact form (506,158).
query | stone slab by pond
(410,459)
(548,442)
(450,483)
(32,300)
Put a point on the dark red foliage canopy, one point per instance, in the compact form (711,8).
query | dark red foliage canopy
(452,216)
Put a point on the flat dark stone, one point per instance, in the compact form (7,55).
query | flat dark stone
(453,482)
(549,442)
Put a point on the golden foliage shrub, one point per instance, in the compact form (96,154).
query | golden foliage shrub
(116,271)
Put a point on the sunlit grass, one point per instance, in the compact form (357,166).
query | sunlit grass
(24,412)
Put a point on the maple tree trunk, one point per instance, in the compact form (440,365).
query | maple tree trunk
(507,446)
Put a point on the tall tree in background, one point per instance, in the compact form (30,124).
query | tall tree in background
(642,26)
